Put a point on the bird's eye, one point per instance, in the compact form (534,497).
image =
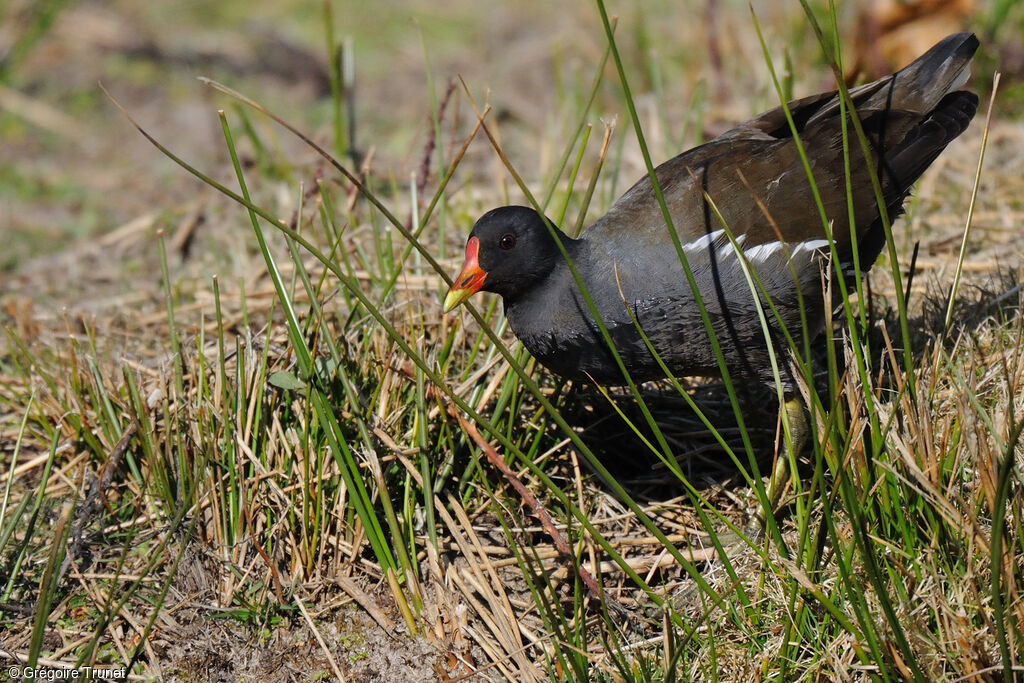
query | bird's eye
(507,241)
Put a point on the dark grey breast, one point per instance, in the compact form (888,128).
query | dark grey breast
(754,177)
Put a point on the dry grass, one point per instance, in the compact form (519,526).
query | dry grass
(209,531)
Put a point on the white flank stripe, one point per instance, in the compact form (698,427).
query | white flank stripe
(719,242)
(704,241)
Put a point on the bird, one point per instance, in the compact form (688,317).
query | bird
(740,205)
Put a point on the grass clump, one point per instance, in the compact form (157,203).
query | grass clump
(304,448)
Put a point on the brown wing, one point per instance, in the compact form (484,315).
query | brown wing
(755,178)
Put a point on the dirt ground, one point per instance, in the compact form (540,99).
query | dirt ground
(82,193)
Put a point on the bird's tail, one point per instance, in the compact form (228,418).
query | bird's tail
(920,86)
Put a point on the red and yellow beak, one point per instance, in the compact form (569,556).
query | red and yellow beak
(469,281)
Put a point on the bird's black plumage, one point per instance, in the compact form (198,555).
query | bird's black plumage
(754,178)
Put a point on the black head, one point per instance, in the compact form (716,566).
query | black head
(509,251)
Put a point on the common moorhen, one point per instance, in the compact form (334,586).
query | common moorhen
(746,191)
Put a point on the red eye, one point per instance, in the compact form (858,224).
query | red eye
(507,241)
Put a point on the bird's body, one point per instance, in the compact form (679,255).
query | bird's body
(567,340)
(754,177)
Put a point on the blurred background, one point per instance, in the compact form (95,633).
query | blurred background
(71,167)
(84,197)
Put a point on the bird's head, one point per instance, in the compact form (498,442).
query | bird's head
(509,251)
